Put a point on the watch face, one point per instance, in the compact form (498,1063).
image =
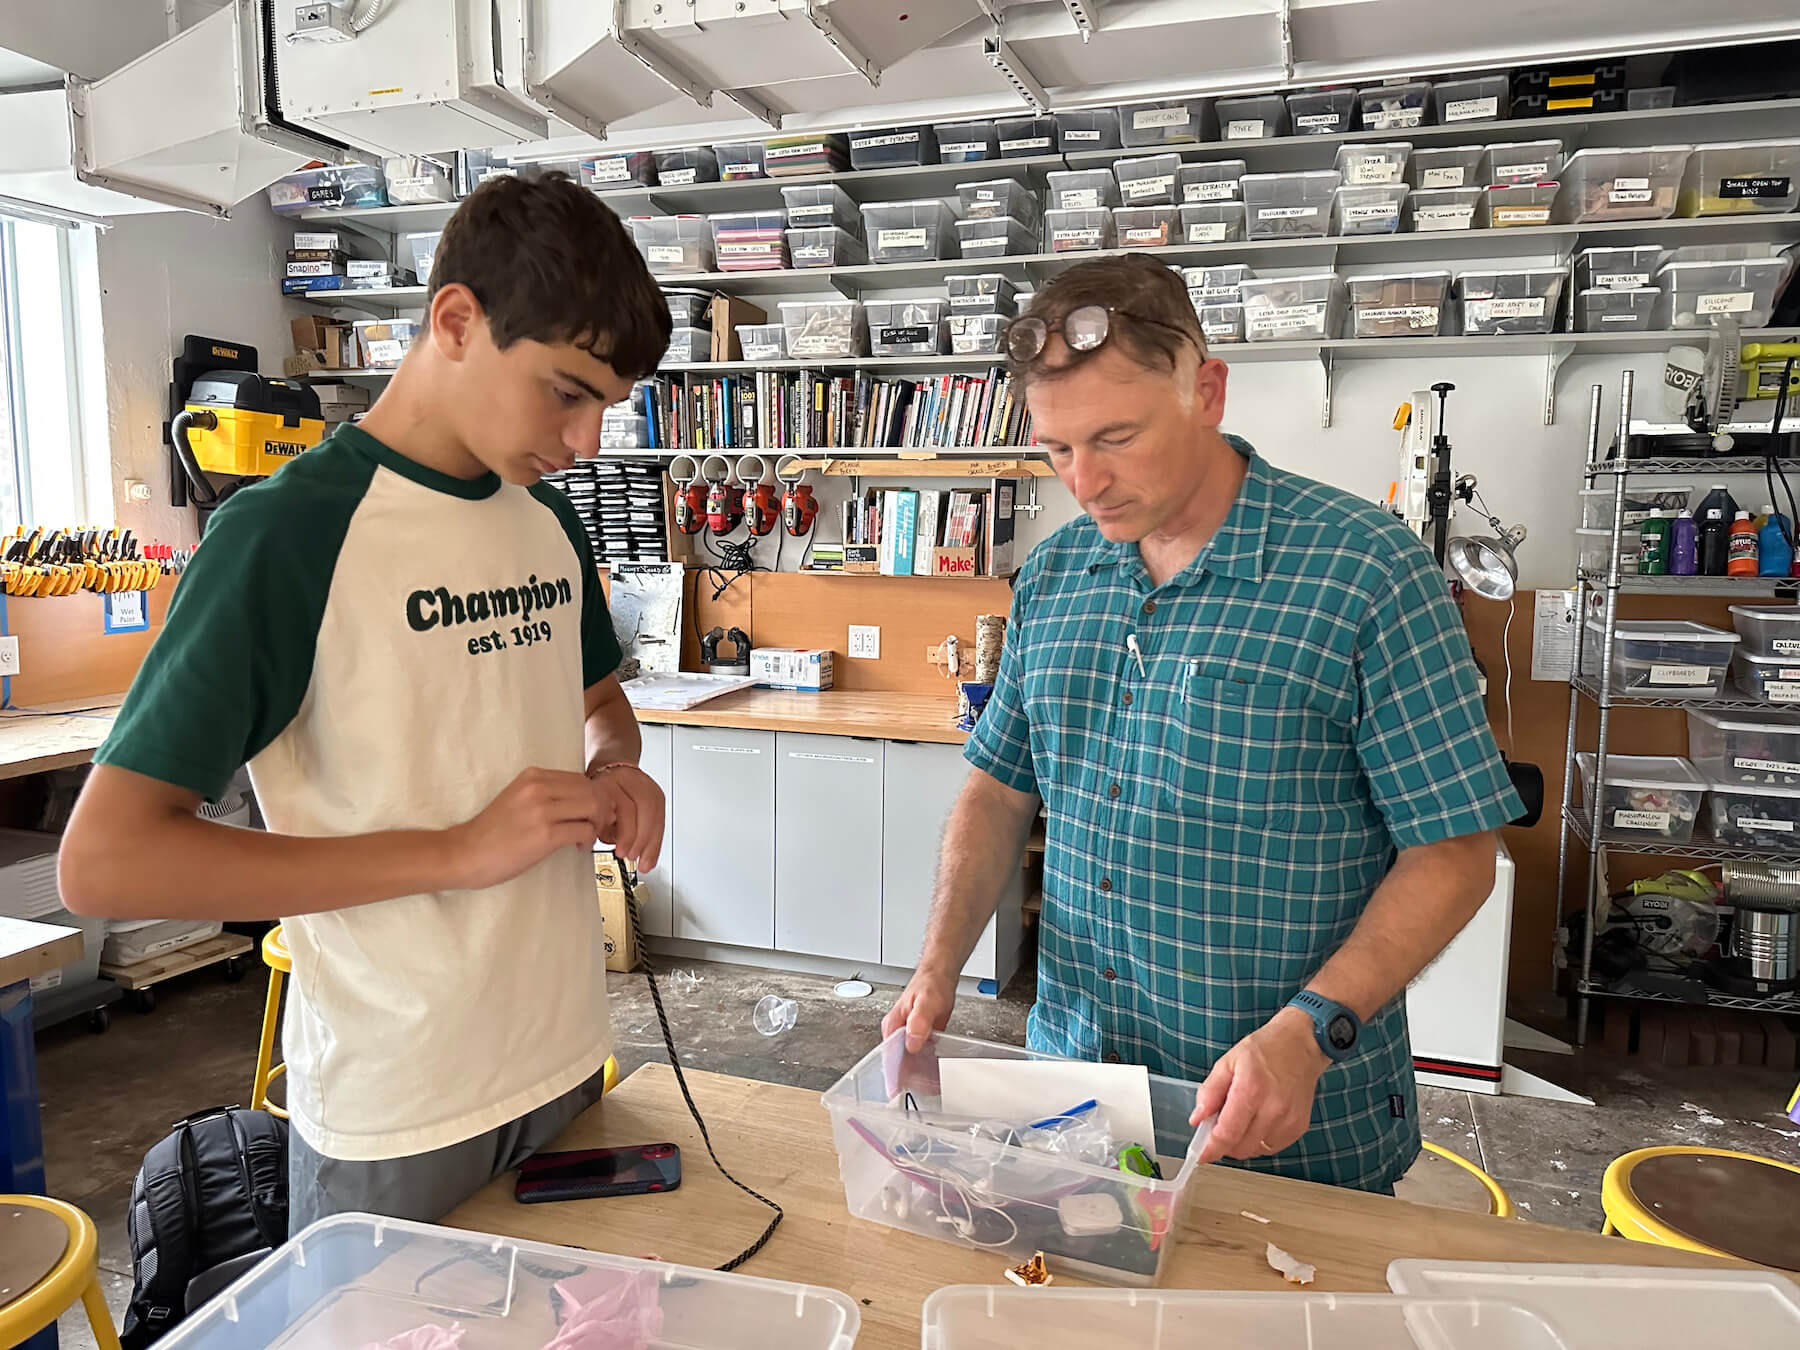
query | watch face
(1341,1032)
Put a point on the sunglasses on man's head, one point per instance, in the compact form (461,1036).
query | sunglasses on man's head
(1083,329)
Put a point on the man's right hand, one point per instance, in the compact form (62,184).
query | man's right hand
(924,1007)
(539,812)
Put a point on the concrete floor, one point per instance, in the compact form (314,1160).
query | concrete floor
(108,1098)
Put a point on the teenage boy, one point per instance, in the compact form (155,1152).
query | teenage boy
(403,634)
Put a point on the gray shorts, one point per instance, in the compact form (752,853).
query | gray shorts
(425,1186)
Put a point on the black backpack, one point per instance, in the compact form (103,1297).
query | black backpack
(209,1202)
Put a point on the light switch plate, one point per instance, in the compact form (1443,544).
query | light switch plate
(9,656)
(865,641)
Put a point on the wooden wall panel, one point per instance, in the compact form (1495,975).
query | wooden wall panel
(64,652)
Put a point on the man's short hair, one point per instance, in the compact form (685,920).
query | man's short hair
(1132,286)
(549,262)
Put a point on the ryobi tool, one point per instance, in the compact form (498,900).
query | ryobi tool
(227,419)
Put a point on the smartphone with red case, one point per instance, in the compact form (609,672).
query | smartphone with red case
(594,1173)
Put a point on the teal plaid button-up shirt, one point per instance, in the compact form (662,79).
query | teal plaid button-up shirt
(1219,819)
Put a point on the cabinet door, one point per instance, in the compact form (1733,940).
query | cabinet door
(724,836)
(828,846)
(922,783)
(656,900)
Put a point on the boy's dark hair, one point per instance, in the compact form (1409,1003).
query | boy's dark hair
(551,263)
(1133,286)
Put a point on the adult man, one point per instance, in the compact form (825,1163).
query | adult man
(402,632)
(1238,692)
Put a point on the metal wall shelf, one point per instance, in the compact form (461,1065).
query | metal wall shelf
(1783,1003)
(1723,587)
(1702,845)
(1709,464)
(1585,686)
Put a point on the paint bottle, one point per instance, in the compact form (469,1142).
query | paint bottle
(1741,551)
(1684,546)
(1713,519)
(1653,546)
(1775,550)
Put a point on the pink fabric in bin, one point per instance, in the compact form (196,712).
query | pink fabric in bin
(422,1338)
(608,1310)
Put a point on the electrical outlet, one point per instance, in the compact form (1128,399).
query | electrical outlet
(9,656)
(865,641)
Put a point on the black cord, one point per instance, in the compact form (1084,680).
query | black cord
(662,1018)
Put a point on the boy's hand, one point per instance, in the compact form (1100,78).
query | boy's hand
(628,812)
(539,812)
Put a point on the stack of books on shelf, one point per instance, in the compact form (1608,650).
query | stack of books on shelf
(960,532)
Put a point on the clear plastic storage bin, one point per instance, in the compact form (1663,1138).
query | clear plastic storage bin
(1519,206)
(1430,210)
(1082,189)
(339,185)
(1025,137)
(1634,184)
(825,246)
(1212,181)
(824,328)
(635,167)
(807,153)
(1367,210)
(1373,164)
(1754,815)
(1400,304)
(690,164)
(1148,180)
(1289,205)
(966,142)
(673,245)
(996,237)
(1078,231)
(687,308)
(893,148)
(1293,309)
(1521,300)
(1511,162)
(1147,226)
(1669,658)
(1604,310)
(1213,223)
(418,251)
(1087,129)
(750,241)
(1322,112)
(1593,550)
(997,197)
(1735,747)
(888,1121)
(1393,107)
(982,293)
(413,180)
(1221,322)
(762,341)
(1768,630)
(1699,294)
(1481,98)
(355,1280)
(1619,269)
(1641,498)
(915,231)
(976,334)
(1216,283)
(1255,118)
(983,1317)
(1445,166)
(687,345)
(1740,177)
(908,327)
(1773,679)
(817,205)
(1645,796)
(1175,121)
(739,160)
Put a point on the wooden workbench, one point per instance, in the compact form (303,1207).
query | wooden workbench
(835,712)
(56,737)
(778,1141)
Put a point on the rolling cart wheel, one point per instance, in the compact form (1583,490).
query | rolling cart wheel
(99,1020)
(142,1000)
(234,969)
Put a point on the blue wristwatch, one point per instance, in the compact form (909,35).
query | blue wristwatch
(1335,1027)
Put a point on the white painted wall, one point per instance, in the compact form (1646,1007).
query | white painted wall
(161,277)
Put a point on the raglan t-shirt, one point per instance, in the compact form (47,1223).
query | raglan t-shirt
(387,648)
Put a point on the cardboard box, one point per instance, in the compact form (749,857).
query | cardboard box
(615,919)
(727,313)
(863,559)
(953,562)
(804,668)
(326,342)
(369,268)
(318,239)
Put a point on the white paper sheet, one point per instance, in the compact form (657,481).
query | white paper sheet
(1031,1089)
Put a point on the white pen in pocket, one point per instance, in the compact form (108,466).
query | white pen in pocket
(1137,654)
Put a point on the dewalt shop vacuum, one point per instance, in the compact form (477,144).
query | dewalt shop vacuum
(227,419)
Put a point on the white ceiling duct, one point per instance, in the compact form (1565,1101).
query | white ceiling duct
(37,159)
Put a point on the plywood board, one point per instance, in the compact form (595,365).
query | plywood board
(166,966)
(65,652)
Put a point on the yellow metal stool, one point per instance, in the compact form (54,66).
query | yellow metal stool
(275,956)
(609,1075)
(1709,1200)
(48,1263)
(1500,1204)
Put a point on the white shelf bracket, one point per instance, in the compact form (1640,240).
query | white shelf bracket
(753,105)
(1084,17)
(1553,364)
(860,62)
(676,79)
(1009,63)
(1327,365)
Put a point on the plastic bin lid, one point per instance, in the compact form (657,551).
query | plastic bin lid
(1399,276)
(1644,771)
(1772,143)
(1319,176)
(1769,721)
(1717,781)
(1678,271)
(1769,613)
(1554,272)
(1625,250)
(1614,290)
(1665,630)
(1756,660)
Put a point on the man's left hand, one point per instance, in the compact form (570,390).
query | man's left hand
(628,813)
(1261,1090)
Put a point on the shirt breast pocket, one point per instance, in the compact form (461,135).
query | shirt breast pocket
(1235,743)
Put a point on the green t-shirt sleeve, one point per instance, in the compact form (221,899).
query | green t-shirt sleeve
(229,669)
(600,651)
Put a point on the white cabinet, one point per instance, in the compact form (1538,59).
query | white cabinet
(828,846)
(722,837)
(656,899)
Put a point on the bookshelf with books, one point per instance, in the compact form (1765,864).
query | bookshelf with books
(925,532)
